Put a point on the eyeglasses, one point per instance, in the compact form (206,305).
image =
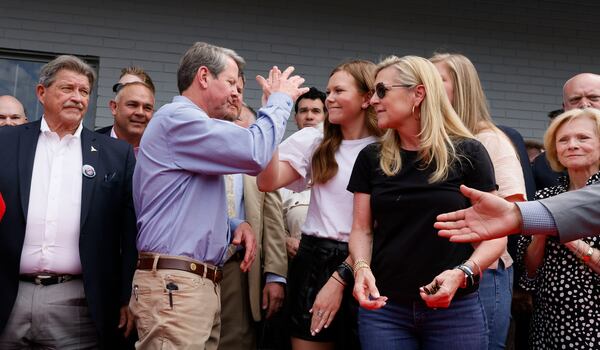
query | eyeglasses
(381,89)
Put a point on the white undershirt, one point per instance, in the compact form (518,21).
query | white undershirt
(53,217)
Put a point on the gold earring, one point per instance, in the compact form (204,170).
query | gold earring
(413,110)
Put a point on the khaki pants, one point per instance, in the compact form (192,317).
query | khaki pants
(193,322)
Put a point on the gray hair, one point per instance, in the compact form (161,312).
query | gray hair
(68,62)
(203,54)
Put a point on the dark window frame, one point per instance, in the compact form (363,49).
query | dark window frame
(45,57)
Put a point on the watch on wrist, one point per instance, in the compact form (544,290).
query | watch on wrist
(471,278)
(346,273)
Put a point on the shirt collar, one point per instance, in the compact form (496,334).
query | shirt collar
(44,128)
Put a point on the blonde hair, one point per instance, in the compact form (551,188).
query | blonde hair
(469,100)
(440,126)
(550,136)
(323,164)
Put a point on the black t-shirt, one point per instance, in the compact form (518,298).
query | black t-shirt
(407,252)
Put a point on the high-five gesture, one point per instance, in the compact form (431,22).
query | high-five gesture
(278,81)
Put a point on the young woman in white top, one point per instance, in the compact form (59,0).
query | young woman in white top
(464,91)
(322,310)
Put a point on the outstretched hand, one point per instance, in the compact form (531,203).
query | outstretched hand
(489,217)
(278,81)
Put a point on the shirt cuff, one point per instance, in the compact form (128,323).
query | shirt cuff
(272,277)
(537,220)
(280,99)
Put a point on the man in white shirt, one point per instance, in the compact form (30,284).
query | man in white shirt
(67,243)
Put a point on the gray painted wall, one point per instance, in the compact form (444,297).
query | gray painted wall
(524,50)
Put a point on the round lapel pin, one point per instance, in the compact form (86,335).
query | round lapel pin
(89,171)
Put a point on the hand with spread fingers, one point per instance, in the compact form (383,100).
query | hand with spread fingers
(489,217)
(279,81)
(326,305)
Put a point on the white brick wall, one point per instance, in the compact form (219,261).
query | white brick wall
(524,50)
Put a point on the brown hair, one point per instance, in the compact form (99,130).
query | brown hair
(324,167)
(68,62)
(140,73)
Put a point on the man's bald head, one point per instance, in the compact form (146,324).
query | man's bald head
(11,111)
(581,91)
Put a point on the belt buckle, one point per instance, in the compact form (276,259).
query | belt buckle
(39,279)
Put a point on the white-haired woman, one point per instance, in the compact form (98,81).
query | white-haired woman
(564,278)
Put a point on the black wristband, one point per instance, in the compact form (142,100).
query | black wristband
(345,272)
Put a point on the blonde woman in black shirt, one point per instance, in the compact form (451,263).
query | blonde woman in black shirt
(417,290)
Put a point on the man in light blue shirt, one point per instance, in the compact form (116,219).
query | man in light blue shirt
(179,195)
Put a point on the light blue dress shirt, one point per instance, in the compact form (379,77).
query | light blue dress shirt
(178,187)
(536,219)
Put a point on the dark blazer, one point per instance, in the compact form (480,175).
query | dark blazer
(108,226)
(105,130)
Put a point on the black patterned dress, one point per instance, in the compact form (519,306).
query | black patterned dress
(566,292)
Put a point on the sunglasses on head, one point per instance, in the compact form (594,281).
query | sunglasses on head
(381,89)
(117,87)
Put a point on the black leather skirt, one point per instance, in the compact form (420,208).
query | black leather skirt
(315,262)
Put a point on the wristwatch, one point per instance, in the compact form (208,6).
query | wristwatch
(471,278)
(345,272)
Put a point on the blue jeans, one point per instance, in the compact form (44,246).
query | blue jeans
(400,326)
(495,291)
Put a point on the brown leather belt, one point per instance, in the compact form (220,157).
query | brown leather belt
(164,263)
